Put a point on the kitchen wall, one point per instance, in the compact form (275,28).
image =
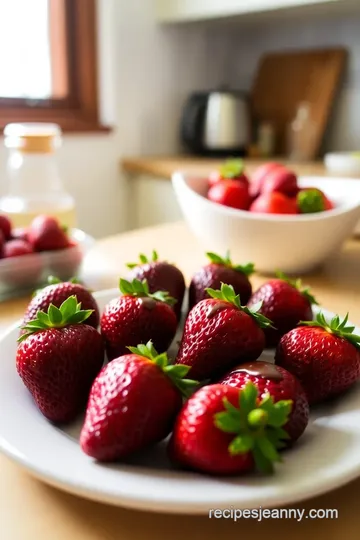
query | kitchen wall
(250,43)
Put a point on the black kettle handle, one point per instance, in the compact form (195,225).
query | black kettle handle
(193,121)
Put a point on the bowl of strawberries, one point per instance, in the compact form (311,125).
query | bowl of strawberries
(29,255)
(274,218)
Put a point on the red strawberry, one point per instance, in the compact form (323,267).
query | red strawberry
(221,270)
(133,403)
(5,226)
(313,200)
(58,360)
(56,293)
(45,234)
(324,356)
(279,384)
(17,248)
(2,244)
(274,203)
(281,180)
(286,302)
(137,317)
(231,193)
(233,169)
(160,276)
(224,430)
(219,333)
(258,178)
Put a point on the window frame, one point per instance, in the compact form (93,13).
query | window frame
(79,111)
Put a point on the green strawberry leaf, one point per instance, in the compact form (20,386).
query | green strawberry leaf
(246,269)
(140,289)
(175,372)
(310,201)
(227,294)
(297,284)
(232,168)
(68,313)
(336,327)
(256,426)
(143,259)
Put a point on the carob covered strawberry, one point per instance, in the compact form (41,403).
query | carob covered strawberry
(137,317)
(323,355)
(133,403)
(220,333)
(160,276)
(285,302)
(58,359)
(277,382)
(56,292)
(221,270)
(224,430)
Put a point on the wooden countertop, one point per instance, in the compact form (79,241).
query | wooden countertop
(30,510)
(164,166)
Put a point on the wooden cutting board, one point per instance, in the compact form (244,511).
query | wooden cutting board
(284,80)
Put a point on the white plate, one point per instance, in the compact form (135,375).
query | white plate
(327,456)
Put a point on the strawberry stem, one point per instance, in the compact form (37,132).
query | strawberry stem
(310,201)
(176,373)
(256,425)
(232,168)
(227,294)
(143,259)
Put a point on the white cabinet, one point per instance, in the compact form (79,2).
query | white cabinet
(151,201)
(182,10)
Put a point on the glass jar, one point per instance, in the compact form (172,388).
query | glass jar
(33,182)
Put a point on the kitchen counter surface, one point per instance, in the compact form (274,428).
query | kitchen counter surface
(164,166)
(30,510)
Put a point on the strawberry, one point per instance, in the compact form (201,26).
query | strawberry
(313,200)
(230,193)
(17,248)
(5,226)
(323,355)
(160,276)
(258,178)
(286,302)
(221,270)
(279,384)
(233,169)
(133,404)
(2,244)
(273,203)
(58,359)
(219,333)
(224,430)
(281,180)
(56,292)
(45,234)
(137,317)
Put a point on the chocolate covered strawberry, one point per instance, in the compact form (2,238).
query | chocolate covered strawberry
(323,355)
(58,359)
(133,403)
(285,302)
(160,276)
(137,317)
(280,384)
(56,293)
(221,270)
(220,333)
(224,430)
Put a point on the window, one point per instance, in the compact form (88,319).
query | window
(48,63)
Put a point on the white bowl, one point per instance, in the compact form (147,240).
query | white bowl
(291,243)
(343,163)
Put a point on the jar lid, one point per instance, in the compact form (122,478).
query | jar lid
(33,137)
